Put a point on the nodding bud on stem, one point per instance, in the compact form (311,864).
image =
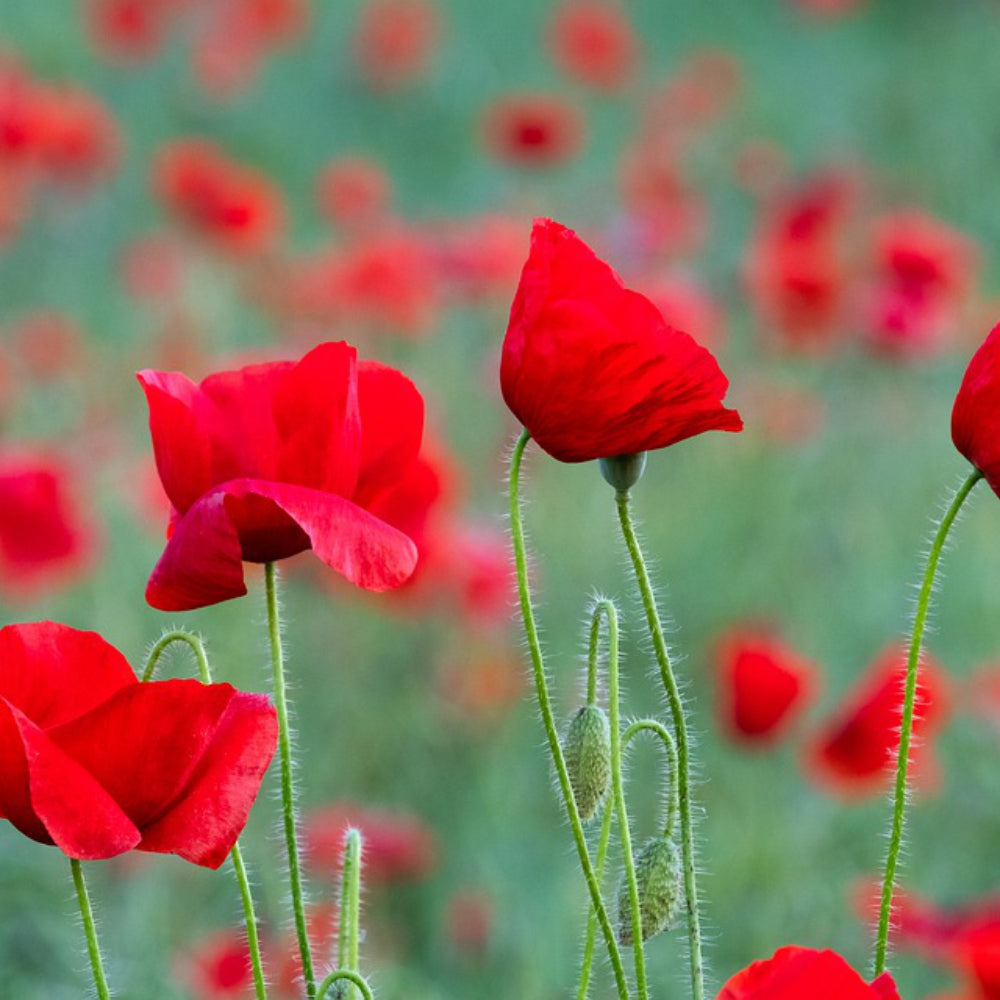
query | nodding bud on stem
(623,471)
(658,879)
(587,749)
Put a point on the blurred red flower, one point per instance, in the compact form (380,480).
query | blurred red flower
(218,967)
(127,30)
(761,684)
(857,748)
(533,130)
(975,417)
(22,115)
(592,41)
(353,190)
(480,256)
(469,921)
(43,536)
(794,973)
(49,344)
(397,846)
(395,41)
(81,140)
(273,459)
(99,764)
(591,369)
(233,206)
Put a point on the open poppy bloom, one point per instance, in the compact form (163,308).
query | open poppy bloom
(975,418)
(793,973)
(273,459)
(761,682)
(592,369)
(99,764)
(857,748)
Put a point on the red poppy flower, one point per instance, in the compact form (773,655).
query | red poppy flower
(395,41)
(397,846)
(593,42)
(99,764)
(857,749)
(533,130)
(43,537)
(81,142)
(127,30)
(353,190)
(273,459)
(592,369)
(975,418)
(794,973)
(762,684)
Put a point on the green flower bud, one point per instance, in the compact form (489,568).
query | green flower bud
(587,749)
(623,471)
(658,879)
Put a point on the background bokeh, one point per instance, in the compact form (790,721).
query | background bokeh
(748,164)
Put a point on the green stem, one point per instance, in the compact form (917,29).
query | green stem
(287,782)
(350,903)
(178,635)
(680,731)
(906,722)
(545,709)
(242,880)
(618,786)
(588,945)
(593,650)
(652,726)
(348,975)
(93,948)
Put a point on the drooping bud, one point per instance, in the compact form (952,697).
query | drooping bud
(623,471)
(587,749)
(658,879)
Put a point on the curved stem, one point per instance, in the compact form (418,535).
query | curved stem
(652,726)
(545,709)
(906,723)
(618,786)
(348,975)
(89,928)
(242,880)
(178,635)
(287,782)
(350,903)
(593,649)
(588,945)
(680,731)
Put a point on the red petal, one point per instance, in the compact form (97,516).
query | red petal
(202,562)
(203,824)
(975,418)
(54,673)
(52,799)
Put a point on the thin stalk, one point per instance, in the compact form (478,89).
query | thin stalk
(588,945)
(287,782)
(652,726)
(352,977)
(618,788)
(89,928)
(545,709)
(681,734)
(906,722)
(236,854)
(350,904)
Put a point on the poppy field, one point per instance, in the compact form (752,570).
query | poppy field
(499,500)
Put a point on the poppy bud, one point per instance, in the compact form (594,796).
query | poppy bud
(658,878)
(587,748)
(623,471)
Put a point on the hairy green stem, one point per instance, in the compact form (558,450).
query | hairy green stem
(236,854)
(670,746)
(353,977)
(681,734)
(545,709)
(90,929)
(350,903)
(588,945)
(287,780)
(906,722)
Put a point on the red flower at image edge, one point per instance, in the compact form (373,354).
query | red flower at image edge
(761,684)
(856,750)
(273,459)
(98,764)
(592,369)
(795,973)
(975,418)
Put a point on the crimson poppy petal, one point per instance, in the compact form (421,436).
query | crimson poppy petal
(202,563)
(180,445)
(203,824)
(50,798)
(975,418)
(54,673)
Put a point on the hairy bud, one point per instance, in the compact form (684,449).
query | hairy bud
(587,749)
(658,878)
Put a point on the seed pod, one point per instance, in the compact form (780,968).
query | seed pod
(587,749)
(658,879)
(623,471)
